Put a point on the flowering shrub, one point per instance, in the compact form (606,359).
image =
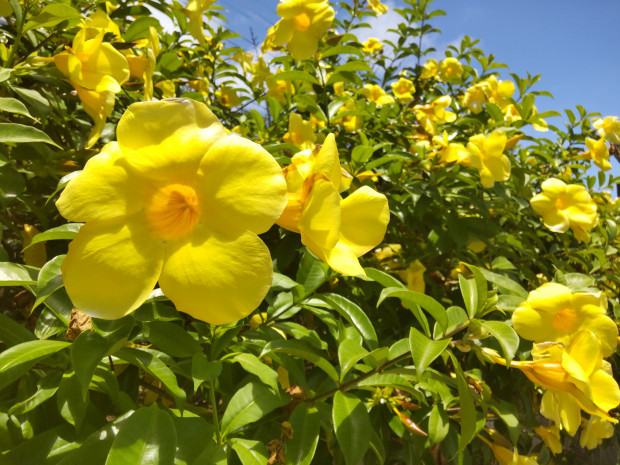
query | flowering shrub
(337,251)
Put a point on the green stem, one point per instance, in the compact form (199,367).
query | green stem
(216,421)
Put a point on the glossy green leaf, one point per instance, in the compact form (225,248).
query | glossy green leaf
(509,414)
(51,15)
(505,283)
(250,452)
(71,404)
(171,338)
(434,308)
(506,336)
(86,352)
(254,365)
(425,350)
(46,388)
(383,278)
(306,424)
(148,437)
(13,333)
(303,351)
(194,435)
(249,404)
(376,445)
(66,231)
(349,353)
(354,315)
(470,294)
(352,426)
(204,370)
(19,133)
(13,274)
(467,411)
(438,424)
(12,105)
(28,352)
(49,280)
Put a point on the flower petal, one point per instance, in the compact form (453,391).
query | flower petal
(242,187)
(341,259)
(605,392)
(327,161)
(215,278)
(169,138)
(365,215)
(105,189)
(112,266)
(320,220)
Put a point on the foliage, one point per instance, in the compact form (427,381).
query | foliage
(399,364)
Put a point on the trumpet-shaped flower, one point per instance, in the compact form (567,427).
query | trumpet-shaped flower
(489,90)
(97,105)
(554,313)
(486,154)
(429,69)
(594,431)
(505,456)
(403,89)
(350,122)
(511,114)
(372,46)
(300,132)
(551,436)
(174,201)
(303,23)
(450,69)
(194,11)
(142,66)
(566,206)
(377,7)
(598,151)
(608,128)
(336,230)
(414,276)
(434,112)
(227,97)
(375,93)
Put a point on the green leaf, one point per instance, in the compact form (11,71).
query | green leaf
(354,315)
(352,426)
(424,350)
(296,76)
(71,404)
(86,352)
(29,352)
(66,231)
(13,333)
(171,339)
(51,15)
(147,360)
(249,404)
(12,105)
(148,437)
(383,278)
(300,350)
(46,388)
(468,410)
(510,416)
(504,282)
(469,293)
(49,280)
(579,282)
(505,335)
(494,112)
(254,365)
(306,423)
(204,370)
(438,424)
(429,304)
(18,133)
(353,66)
(349,353)
(139,29)
(341,50)
(311,273)
(193,435)
(481,286)
(13,274)
(250,452)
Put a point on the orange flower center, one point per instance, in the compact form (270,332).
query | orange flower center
(562,202)
(173,211)
(565,321)
(302,21)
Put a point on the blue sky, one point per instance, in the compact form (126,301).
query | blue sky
(573,44)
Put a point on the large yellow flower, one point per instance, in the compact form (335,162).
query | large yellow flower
(303,23)
(598,151)
(300,132)
(336,230)
(450,69)
(566,206)
(403,89)
(434,112)
(372,46)
(375,93)
(174,201)
(608,128)
(553,313)
(486,154)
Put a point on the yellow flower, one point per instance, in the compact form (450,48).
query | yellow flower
(429,69)
(598,151)
(608,128)
(339,90)
(194,11)
(93,64)
(99,106)
(99,23)
(227,97)
(375,93)
(566,206)
(300,132)
(475,97)
(434,112)
(168,88)
(489,90)
(511,114)
(245,60)
(450,69)
(449,152)
(377,7)
(486,154)
(279,89)
(260,72)
(594,431)
(268,44)
(554,313)
(174,201)
(388,252)
(303,23)
(551,436)
(372,46)
(336,230)
(506,456)
(143,66)
(414,276)
(403,89)
(351,123)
